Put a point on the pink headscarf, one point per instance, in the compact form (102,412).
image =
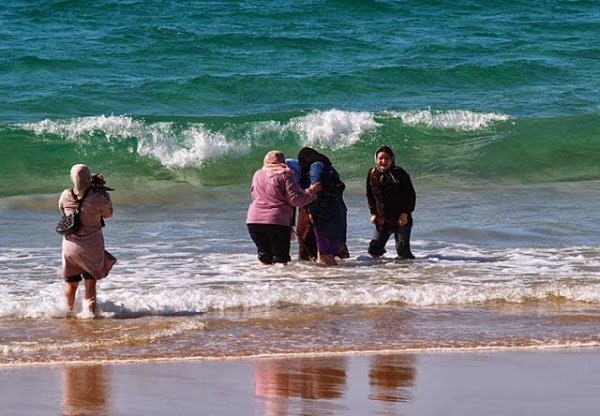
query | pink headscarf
(274,163)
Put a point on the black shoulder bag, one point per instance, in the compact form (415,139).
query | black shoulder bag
(69,224)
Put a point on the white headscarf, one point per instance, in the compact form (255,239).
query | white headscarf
(81,176)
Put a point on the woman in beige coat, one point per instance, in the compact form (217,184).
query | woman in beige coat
(83,254)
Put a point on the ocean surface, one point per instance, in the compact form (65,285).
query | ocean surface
(493,109)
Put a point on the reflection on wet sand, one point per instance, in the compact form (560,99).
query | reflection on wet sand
(391,377)
(85,390)
(278,384)
(312,385)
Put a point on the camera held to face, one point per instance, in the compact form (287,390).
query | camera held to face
(99,184)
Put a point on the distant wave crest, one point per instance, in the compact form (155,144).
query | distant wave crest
(178,145)
(462,120)
(333,129)
(174,146)
(459,143)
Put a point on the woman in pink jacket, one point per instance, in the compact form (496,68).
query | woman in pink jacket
(271,213)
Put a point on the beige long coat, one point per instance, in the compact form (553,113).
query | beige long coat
(84,251)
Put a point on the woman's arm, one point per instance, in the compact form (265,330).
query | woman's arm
(370,196)
(106,208)
(296,196)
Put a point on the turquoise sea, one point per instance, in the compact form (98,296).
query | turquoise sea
(493,109)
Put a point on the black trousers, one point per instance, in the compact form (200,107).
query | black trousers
(402,237)
(272,242)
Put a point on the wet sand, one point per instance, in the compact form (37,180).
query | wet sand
(544,382)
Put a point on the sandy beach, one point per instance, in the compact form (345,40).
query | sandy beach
(543,382)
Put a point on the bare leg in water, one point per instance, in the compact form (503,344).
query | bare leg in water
(90,294)
(326,259)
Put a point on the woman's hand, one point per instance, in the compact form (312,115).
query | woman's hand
(373,219)
(403,220)
(316,187)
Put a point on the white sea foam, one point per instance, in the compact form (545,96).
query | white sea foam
(176,278)
(192,147)
(332,129)
(173,146)
(451,119)
(78,128)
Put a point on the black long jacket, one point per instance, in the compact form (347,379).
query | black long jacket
(389,194)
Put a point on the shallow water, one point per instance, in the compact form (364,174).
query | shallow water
(188,285)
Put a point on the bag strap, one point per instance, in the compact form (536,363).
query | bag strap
(79,201)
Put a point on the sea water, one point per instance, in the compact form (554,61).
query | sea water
(492,109)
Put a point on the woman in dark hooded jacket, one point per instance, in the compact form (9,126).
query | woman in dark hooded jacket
(391,198)
(327,214)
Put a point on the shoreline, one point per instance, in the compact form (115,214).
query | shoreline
(550,382)
(317,354)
